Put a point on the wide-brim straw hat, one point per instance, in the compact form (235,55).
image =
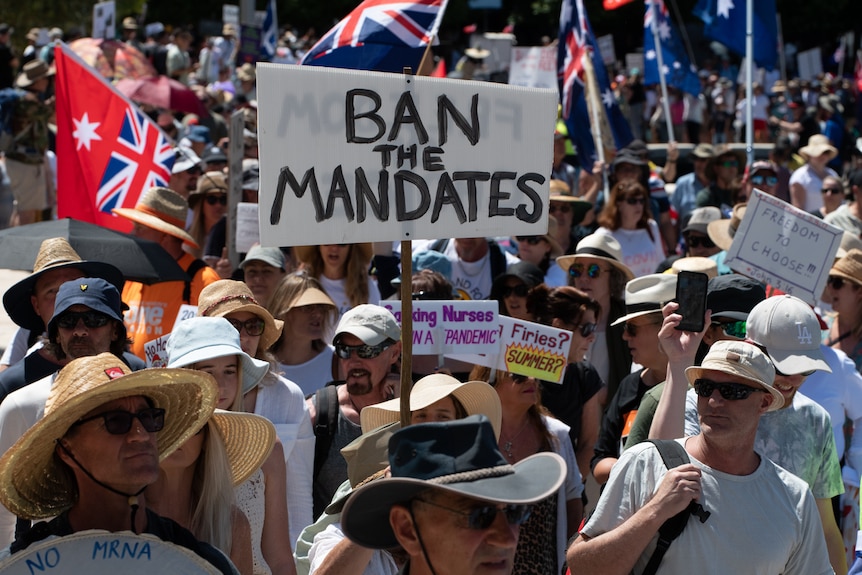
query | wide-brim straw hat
(208,183)
(600,246)
(33,71)
(163,210)
(477,397)
(849,267)
(224,297)
(648,294)
(54,254)
(310,296)
(722,232)
(248,441)
(305,253)
(818,144)
(32,483)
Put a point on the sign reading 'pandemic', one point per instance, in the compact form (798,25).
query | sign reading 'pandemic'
(350,156)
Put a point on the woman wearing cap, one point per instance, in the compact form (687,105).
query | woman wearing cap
(512,290)
(196,482)
(212,345)
(308,314)
(208,204)
(844,293)
(528,428)
(543,251)
(342,270)
(626,217)
(807,180)
(596,269)
(435,398)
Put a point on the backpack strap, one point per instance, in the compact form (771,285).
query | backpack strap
(325,423)
(193,269)
(673,454)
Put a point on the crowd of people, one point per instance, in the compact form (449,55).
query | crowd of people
(268,438)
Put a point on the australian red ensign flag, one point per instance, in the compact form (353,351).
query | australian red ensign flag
(108,151)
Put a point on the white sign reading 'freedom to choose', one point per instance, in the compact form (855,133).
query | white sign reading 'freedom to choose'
(351,156)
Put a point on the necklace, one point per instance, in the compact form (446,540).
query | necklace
(507,447)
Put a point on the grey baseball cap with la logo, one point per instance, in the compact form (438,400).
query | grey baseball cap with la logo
(789,330)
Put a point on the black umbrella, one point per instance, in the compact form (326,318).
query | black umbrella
(139,260)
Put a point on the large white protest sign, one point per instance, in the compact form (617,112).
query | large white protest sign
(527,348)
(441,327)
(534,67)
(784,247)
(352,156)
(104,20)
(247,230)
(99,552)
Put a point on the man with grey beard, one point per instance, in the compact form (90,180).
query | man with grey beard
(368,344)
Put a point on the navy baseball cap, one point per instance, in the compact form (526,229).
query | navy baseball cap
(95,293)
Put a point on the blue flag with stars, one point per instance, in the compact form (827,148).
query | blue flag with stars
(269,33)
(724,21)
(678,70)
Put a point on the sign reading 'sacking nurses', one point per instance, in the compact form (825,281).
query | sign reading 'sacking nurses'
(354,156)
(784,247)
(441,327)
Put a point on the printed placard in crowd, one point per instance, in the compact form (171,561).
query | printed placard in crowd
(534,67)
(784,247)
(441,327)
(354,156)
(156,351)
(527,348)
(247,230)
(104,20)
(100,552)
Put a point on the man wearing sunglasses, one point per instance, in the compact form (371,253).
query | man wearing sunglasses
(848,216)
(87,321)
(452,503)
(695,234)
(764,517)
(367,344)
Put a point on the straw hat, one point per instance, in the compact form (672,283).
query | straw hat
(599,246)
(246,73)
(477,52)
(163,210)
(310,296)
(33,71)
(722,232)
(849,241)
(696,264)
(32,483)
(849,267)
(561,192)
(208,183)
(54,254)
(129,23)
(477,397)
(248,441)
(224,297)
(818,144)
(305,253)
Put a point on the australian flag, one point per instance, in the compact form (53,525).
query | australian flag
(576,39)
(724,21)
(380,35)
(269,32)
(678,70)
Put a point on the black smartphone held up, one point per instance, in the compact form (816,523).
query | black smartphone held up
(691,296)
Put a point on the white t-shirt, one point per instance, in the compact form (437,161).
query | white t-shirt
(313,374)
(808,179)
(640,253)
(759,524)
(16,349)
(335,290)
(472,280)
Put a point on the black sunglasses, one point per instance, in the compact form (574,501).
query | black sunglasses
(835,282)
(562,208)
(532,240)
(92,319)
(632,328)
(519,290)
(364,351)
(698,241)
(119,422)
(635,201)
(253,326)
(586,329)
(831,191)
(213,199)
(593,271)
(483,516)
(728,390)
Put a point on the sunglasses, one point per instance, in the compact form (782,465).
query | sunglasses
(213,199)
(768,180)
(518,379)
(194,171)
(92,319)
(698,241)
(364,351)
(532,240)
(729,391)
(832,191)
(632,328)
(733,328)
(119,422)
(586,329)
(593,271)
(634,201)
(562,208)
(519,290)
(253,326)
(835,282)
(728,164)
(482,517)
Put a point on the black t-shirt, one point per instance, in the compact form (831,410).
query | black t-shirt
(7,74)
(566,401)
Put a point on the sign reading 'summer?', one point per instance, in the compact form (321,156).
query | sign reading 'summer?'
(784,247)
(355,156)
